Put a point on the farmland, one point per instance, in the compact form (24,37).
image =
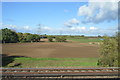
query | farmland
(84,40)
(52,50)
(51,54)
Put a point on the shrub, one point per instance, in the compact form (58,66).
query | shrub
(82,36)
(61,39)
(32,38)
(50,39)
(109,53)
(14,64)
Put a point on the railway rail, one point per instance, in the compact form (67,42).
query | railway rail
(59,72)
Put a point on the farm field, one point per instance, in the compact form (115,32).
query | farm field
(84,40)
(50,54)
(52,50)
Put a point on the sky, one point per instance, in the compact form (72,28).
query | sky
(61,18)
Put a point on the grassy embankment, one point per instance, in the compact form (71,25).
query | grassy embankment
(54,62)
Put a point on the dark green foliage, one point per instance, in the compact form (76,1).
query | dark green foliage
(118,39)
(99,36)
(9,36)
(7,60)
(61,39)
(109,52)
(24,39)
(27,37)
(33,38)
(50,39)
(21,37)
(82,36)
(0,36)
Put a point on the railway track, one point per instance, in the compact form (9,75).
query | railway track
(59,72)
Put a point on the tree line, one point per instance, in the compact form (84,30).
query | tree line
(10,36)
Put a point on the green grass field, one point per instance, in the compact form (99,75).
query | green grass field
(54,62)
(84,40)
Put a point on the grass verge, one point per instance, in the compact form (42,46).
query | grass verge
(54,62)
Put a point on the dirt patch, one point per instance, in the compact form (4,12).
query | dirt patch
(55,49)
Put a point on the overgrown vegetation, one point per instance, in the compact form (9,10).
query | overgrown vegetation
(10,36)
(109,50)
(61,39)
(50,39)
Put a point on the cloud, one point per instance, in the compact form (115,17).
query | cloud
(67,24)
(108,31)
(17,28)
(10,26)
(46,28)
(1,25)
(97,12)
(78,28)
(83,28)
(74,30)
(92,28)
(27,28)
(72,22)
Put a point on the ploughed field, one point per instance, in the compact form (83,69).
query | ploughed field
(51,50)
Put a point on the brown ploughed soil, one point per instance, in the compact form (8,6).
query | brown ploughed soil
(51,49)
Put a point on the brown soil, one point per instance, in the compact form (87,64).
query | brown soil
(51,49)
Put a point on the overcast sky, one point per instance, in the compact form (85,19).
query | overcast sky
(54,18)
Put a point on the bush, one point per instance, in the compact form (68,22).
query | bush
(82,36)
(31,38)
(50,39)
(61,39)
(109,53)
(9,36)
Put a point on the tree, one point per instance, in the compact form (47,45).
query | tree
(50,39)
(25,37)
(37,38)
(33,38)
(99,36)
(26,34)
(29,38)
(82,36)
(21,37)
(109,52)
(9,36)
(0,36)
(118,40)
(61,39)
